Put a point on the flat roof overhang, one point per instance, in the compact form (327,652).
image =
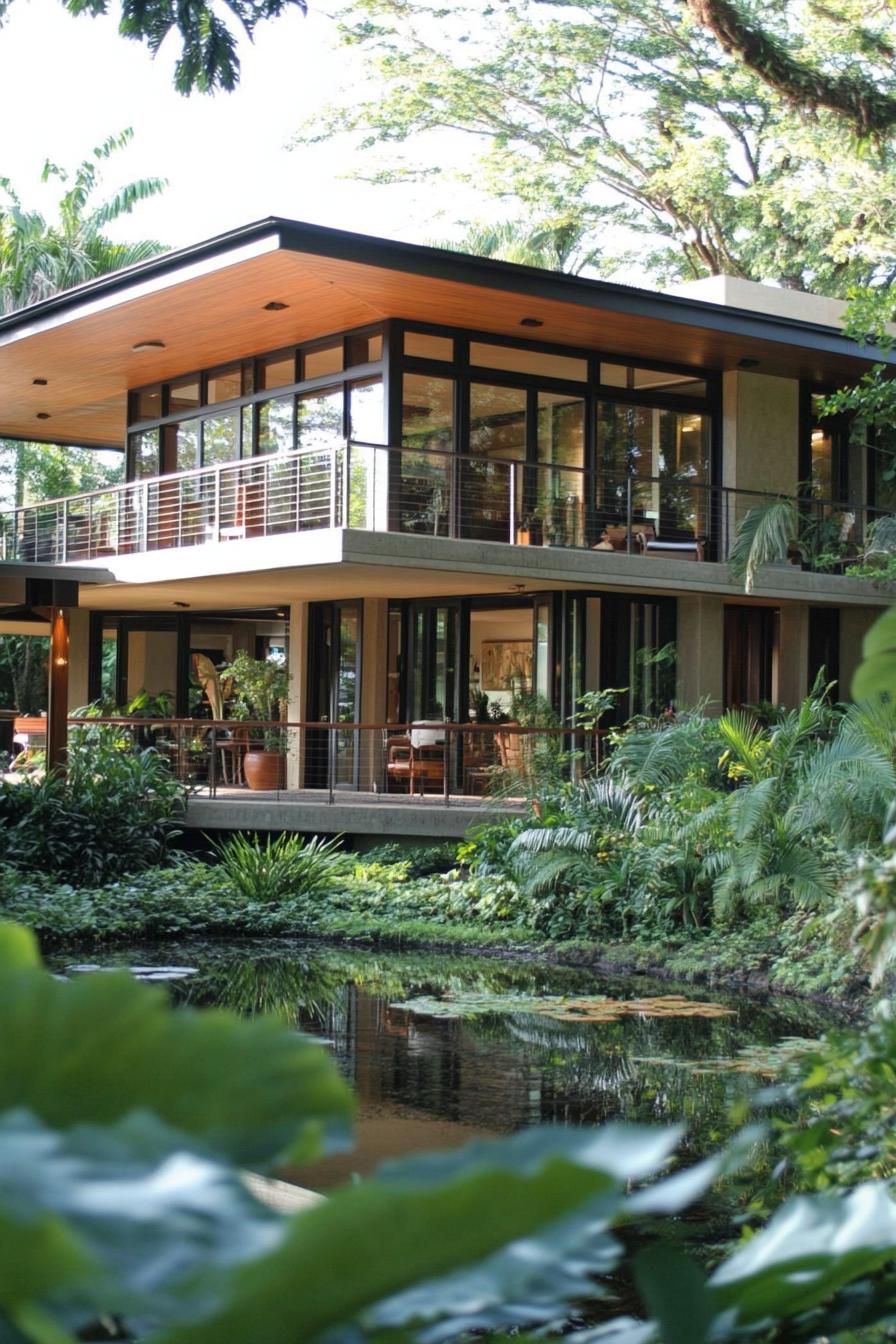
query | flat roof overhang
(347,564)
(71,357)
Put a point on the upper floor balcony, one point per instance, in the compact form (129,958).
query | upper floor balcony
(415,491)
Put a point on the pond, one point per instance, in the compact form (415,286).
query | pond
(442,1049)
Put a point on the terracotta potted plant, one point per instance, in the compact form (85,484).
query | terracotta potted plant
(261,687)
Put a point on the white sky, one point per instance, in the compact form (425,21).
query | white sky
(70,82)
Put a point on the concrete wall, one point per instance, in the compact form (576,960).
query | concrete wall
(700,652)
(760,432)
(854,623)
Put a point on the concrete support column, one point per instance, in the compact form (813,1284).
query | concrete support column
(700,646)
(299,655)
(790,676)
(854,623)
(79,644)
(374,649)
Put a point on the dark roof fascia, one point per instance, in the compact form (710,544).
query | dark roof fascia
(441,264)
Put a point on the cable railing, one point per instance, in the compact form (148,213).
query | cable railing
(423,761)
(419,490)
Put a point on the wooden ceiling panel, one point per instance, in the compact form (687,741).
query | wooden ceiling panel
(85,354)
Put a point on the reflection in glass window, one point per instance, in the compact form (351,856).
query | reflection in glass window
(559,496)
(367,411)
(319,419)
(220,439)
(421,346)
(147,403)
(665,454)
(424,489)
(224,384)
(144,454)
(325,359)
(187,445)
(276,371)
(363,350)
(497,436)
(183,395)
(653,380)
(537,362)
(366,426)
(275,425)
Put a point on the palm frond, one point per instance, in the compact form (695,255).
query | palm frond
(764,535)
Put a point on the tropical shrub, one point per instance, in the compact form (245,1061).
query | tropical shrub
(281,867)
(114,812)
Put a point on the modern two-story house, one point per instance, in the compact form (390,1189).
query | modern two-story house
(425,478)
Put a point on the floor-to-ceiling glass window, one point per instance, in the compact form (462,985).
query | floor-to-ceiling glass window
(497,438)
(559,504)
(663,457)
(424,496)
(332,756)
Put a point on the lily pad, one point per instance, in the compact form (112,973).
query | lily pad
(562,1009)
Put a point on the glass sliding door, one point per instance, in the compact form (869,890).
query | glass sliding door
(664,456)
(422,498)
(433,681)
(559,503)
(332,757)
(497,437)
(347,695)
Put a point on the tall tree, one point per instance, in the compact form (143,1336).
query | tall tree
(629,115)
(851,76)
(39,258)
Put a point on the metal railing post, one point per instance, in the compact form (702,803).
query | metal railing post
(216,521)
(512,510)
(333,491)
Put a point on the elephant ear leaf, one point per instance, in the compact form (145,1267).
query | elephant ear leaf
(876,674)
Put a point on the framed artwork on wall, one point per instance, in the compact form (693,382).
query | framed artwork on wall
(506,664)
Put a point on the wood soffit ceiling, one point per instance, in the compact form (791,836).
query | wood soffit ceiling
(213,313)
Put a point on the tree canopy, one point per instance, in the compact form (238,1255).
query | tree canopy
(208,60)
(633,117)
(851,76)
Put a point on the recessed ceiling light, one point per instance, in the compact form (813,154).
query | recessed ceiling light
(531,322)
(147,345)
(275,306)
(39,382)
(43,415)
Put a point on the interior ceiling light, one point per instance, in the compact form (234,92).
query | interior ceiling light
(39,382)
(531,322)
(280,613)
(43,415)
(748,363)
(275,306)
(147,345)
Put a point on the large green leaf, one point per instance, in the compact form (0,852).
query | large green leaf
(159,1227)
(94,1049)
(876,674)
(810,1248)
(429,1217)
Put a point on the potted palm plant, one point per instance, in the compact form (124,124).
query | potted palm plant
(261,687)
